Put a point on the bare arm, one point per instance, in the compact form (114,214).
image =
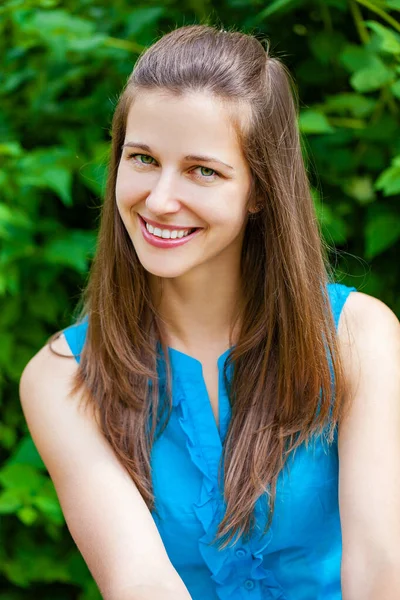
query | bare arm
(105,514)
(369,451)
(149,592)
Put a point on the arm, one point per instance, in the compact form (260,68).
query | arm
(149,592)
(105,514)
(369,451)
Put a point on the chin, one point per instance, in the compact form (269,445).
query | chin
(162,269)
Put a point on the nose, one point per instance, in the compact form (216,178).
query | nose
(163,198)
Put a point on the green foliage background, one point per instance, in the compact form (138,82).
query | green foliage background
(63,65)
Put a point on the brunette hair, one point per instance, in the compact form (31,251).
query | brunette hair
(286,357)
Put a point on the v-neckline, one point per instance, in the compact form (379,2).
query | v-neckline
(189,372)
(220,359)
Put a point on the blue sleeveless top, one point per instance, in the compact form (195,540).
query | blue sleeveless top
(299,557)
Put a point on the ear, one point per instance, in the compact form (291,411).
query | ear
(255,202)
(256,208)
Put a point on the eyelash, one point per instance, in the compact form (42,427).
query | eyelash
(204,177)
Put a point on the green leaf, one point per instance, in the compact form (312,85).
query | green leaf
(354,58)
(57,179)
(8,436)
(50,168)
(87,44)
(72,249)
(27,515)
(27,454)
(311,121)
(16,573)
(10,149)
(11,219)
(53,24)
(9,502)
(396,88)
(277,6)
(349,102)
(49,507)
(21,477)
(142,17)
(15,80)
(389,39)
(326,45)
(382,231)
(360,188)
(373,77)
(389,180)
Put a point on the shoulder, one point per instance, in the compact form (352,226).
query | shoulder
(47,382)
(364,313)
(369,344)
(53,361)
(57,360)
(53,408)
(369,335)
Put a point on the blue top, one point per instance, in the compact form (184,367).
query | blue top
(299,558)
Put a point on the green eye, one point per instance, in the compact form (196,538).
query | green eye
(205,173)
(142,159)
(145,156)
(210,171)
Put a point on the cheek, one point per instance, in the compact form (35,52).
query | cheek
(127,190)
(229,215)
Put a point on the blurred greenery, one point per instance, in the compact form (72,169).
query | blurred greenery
(63,66)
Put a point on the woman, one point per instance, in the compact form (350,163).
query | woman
(210,330)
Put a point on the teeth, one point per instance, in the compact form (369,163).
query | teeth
(167,233)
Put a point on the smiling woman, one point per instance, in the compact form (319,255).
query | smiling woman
(169,190)
(228,383)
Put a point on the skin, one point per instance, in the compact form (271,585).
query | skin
(201,280)
(369,450)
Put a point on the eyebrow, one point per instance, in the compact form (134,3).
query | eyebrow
(195,157)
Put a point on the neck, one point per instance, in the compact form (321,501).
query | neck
(199,310)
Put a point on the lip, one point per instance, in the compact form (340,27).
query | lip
(169,227)
(164,242)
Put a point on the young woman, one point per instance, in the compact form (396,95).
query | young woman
(230,428)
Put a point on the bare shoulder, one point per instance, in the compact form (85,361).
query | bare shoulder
(364,313)
(52,360)
(51,411)
(369,344)
(369,333)
(47,381)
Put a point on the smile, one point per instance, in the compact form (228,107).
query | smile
(168,233)
(166,238)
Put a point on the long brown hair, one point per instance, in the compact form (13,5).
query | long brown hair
(286,356)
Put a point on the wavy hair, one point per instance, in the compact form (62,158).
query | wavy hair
(286,358)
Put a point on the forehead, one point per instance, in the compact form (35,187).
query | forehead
(195,121)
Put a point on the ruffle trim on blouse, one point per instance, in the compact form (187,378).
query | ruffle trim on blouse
(227,570)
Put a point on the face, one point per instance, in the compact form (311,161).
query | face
(182,184)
